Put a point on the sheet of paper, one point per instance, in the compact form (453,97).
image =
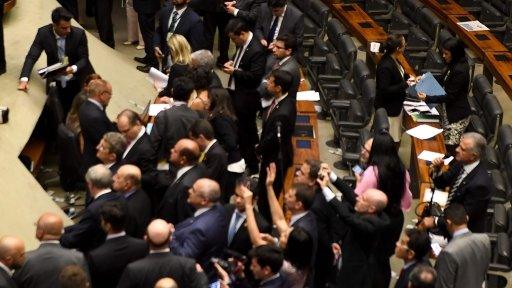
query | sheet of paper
(424,131)
(436,248)
(158,78)
(154,109)
(429,155)
(266,102)
(473,26)
(309,95)
(440,197)
(374,47)
(448,160)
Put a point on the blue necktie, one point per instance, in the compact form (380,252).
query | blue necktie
(273,27)
(61,48)
(232,228)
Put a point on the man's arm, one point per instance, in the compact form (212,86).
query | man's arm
(298,30)
(446,268)
(32,56)
(256,70)
(83,52)
(191,246)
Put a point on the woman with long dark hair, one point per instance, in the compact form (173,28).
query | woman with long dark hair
(387,173)
(455,109)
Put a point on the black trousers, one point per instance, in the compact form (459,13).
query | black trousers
(209,27)
(223,41)
(71,6)
(103,17)
(147,29)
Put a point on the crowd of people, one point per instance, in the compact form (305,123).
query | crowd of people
(173,204)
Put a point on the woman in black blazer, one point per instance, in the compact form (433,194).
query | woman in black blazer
(391,84)
(455,110)
(180,54)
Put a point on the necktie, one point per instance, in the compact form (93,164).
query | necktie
(456,184)
(272,106)
(61,48)
(201,158)
(232,228)
(272,32)
(238,55)
(172,25)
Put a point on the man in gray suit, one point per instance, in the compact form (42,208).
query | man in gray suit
(464,261)
(43,265)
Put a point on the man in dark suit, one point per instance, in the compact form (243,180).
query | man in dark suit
(94,121)
(60,41)
(276,135)
(173,124)
(266,261)
(469,182)
(465,260)
(107,262)
(247,10)
(213,157)
(127,183)
(365,220)
(238,235)
(160,263)
(246,71)
(413,248)
(276,18)
(12,256)
(87,233)
(203,235)
(110,150)
(174,207)
(175,18)
(43,264)
(139,151)
(146,11)
(283,50)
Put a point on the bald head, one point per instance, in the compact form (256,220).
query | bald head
(204,193)
(127,178)
(12,251)
(49,227)
(158,234)
(166,283)
(185,152)
(377,198)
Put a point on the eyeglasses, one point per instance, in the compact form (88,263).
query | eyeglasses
(279,47)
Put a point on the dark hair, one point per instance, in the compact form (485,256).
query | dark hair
(237,26)
(201,127)
(423,276)
(59,14)
(113,213)
(290,42)
(132,116)
(304,194)
(220,103)
(267,255)
(200,76)
(314,168)
(391,170)
(393,42)
(190,154)
(276,3)
(299,248)
(182,87)
(456,214)
(419,243)
(73,276)
(456,48)
(282,79)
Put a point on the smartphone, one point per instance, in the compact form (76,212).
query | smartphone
(357,170)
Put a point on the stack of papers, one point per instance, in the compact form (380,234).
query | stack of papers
(473,26)
(154,109)
(424,132)
(429,155)
(158,79)
(440,197)
(421,112)
(309,95)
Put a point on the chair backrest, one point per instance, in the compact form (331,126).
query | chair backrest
(429,23)
(368,92)
(508,166)
(69,158)
(410,8)
(335,29)
(380,121)
(480,88)
(504,6)
(504,140)
(490,15)
(360,74)
(493,115)
(318,13)
(355,113)
(302,5)
(347,53)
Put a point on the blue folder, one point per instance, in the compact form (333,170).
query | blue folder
(427,84)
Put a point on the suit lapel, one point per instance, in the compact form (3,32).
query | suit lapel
(180,27)
(467,178)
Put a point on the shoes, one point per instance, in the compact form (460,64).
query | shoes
(142,60)
(144,68)
(130,42)
(140,47)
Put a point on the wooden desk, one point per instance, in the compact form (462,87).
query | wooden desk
(500,65)
(359,23)
(446,7)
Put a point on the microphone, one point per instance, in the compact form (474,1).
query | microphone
(278,124)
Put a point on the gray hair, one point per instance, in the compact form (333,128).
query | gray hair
(202,58)
(211,191)
(99,176)
(116,143)
(479,143)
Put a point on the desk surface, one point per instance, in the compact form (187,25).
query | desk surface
(447,7)
(500,64)
(359,23)
(23,199)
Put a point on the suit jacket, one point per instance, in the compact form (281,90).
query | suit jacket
(6,280)
(94,123)
(174,207)
(143,156)
(464,261)
(202,238)
(225,130)
(76,51)
(42,265)
(107,262)
(391,86)
(247,10)
(146,6)
(147,271)
(170,126)
(474,193)
(241,242)
(293,23)
(285,113)
(274,283)
(139,209)
(456,83)
(87,233)
(251,67)
(290,65)
(216,163)
(189,26)
(359,244)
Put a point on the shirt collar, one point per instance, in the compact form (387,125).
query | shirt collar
(129,147)
(201,211)
(182,171)
(108,165)
(284,60)
(460,232)
(469,167)
(129,193)
(57,35)
(96,103)
(296,217)
(249,38)
(116,235)
(409,264)
(7,269)
(49,242)
(209,146)
(281,98)
(164,250)
(179,11)
(282,15)
(275,276)
(102,192)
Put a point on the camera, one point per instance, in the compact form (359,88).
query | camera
(226,265)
